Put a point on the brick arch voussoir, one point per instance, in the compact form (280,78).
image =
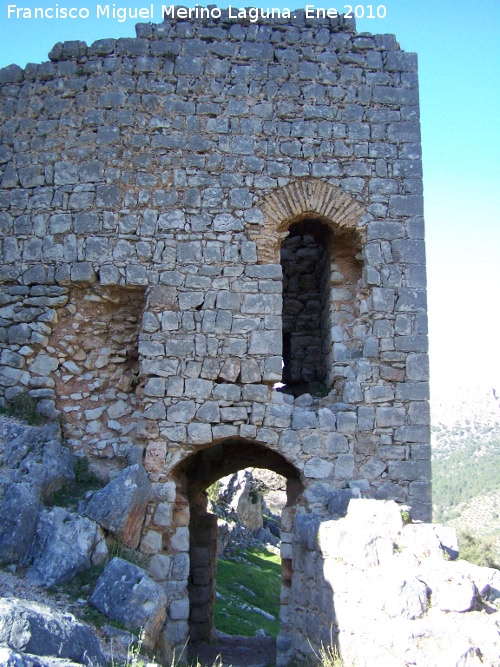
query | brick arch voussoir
(298,200)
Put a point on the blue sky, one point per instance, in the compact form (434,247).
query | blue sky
(458,43)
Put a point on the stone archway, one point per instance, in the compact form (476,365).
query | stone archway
(302,199)
(194,475)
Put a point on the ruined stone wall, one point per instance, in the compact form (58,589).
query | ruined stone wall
(146,187)
(385,591)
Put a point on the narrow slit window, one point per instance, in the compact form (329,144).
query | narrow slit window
(305,259)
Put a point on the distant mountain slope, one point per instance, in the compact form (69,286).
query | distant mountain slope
(480,514)
(466,458)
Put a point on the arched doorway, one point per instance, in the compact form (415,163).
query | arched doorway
(194,475)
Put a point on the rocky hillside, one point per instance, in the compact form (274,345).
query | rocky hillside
(466,458)
(86,534)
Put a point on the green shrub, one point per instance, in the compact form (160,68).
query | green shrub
(24,407)
(405,516)
(213,492)
(85,480)
(478,550)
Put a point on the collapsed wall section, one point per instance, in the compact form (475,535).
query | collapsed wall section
(96,341)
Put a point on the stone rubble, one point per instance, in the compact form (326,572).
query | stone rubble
(389,596)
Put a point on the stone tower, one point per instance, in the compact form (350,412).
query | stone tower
(213,257)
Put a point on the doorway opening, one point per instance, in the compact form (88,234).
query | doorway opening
(195,475)
(248,505)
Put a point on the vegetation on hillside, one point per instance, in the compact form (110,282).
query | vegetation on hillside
(479,550)
(248,583)
(463,474)
(466,472)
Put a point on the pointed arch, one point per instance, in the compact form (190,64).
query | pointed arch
(311,198)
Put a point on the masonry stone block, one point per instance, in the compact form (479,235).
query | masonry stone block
(390,416)
(413,391)
(408,470)
(44,364)
(272,369)
(82,272)
(327,420)
(265,342)
(383,299)
(304,419)
(261,303)
(419,413)
(417,367)
(352,392)
(183,411)
(318,468)
(344,467)
(155,387)
(347,422)
(198,388)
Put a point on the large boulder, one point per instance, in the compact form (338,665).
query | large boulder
(64,545)
(486,579)
(35,453)
(126,593)
(34,464)
(391,596)
(121,505)
(11,658)
(226,531)
(240,495)
(365,537)
(34,628)
(19,507)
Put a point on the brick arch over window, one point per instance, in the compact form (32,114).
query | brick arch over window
(301,199)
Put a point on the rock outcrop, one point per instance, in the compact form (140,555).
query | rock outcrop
(33,628)
(126,593)
(120,506)
(239,494)
(34,463)
(64,545)
(390,595)
(36,454)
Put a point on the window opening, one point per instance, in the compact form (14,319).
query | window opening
(306,261)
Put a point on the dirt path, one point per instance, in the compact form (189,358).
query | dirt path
(235,652)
